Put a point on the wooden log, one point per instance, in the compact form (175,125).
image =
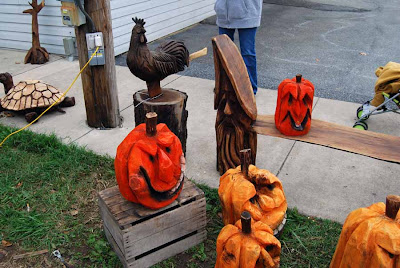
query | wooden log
(235,104)
(99,82)
(170,108)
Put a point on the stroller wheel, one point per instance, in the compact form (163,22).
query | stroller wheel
(361,125)
(360,112)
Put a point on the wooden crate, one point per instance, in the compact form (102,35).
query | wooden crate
(142,237)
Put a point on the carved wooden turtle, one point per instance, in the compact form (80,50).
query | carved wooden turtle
(31,97)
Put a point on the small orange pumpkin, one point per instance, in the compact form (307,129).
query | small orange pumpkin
(294,106)
(257,191)
(370,237)
(247,244)
(149,165)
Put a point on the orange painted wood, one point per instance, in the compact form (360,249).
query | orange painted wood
(370,237)
(372,144)
(247,244)
(258,192)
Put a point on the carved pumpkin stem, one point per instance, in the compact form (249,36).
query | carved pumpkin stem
(151,124)
(245,161)
(392,206)
(245,218)
(298,78)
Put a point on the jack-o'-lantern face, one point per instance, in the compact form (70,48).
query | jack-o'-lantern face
(149,169)
(260,193)
(294,106)
(247,244)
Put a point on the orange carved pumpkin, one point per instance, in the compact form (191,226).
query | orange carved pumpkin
(247,244)
(149,165)
(259,192)
(370,237)
(294,106)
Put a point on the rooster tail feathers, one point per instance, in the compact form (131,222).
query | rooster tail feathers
(178,50)
(139,21)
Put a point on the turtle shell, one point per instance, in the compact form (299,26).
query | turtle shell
(30,94)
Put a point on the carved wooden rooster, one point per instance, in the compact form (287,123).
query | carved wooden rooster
(153,66)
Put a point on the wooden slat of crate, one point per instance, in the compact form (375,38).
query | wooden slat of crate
(159,255)
(135,232)
(160,230)
(126,212)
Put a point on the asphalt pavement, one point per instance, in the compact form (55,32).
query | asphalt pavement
(336,44)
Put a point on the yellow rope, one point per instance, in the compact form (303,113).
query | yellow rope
(57,101)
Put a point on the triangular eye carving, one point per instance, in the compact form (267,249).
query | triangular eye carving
(307,100)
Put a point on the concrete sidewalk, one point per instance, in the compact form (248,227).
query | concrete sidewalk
(319,181)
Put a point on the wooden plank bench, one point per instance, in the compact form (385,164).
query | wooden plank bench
(142,237)
(238,124)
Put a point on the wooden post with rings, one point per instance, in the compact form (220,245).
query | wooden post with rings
(170,108)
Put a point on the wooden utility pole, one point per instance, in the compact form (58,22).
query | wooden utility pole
(99,82)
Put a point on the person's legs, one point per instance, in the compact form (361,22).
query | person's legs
(228,32)
(247,39)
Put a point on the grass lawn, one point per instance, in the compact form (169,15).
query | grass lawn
(48,200)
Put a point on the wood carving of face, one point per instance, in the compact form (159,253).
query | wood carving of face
(294,106)
(149,168)
(231,125)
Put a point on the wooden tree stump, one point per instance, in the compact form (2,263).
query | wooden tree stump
(170,108)
(37,54)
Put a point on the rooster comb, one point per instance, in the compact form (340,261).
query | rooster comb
(139,21)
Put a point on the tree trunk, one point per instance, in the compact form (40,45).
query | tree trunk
(37,54)
(170,108)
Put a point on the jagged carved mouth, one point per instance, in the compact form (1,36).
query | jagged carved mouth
(165,195)
(293,123)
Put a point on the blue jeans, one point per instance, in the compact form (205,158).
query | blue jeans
(247,39)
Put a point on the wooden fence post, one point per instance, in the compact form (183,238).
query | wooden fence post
(99,82)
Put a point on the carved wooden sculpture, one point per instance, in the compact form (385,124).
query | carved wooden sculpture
(370,237)
(247,244)
(258,191)
(235,105)
(37,54)
(149,165)
(294,106)
(31,97)
(169,58)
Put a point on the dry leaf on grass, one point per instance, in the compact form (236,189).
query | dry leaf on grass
(19,184)
(74,212)
(6,243)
